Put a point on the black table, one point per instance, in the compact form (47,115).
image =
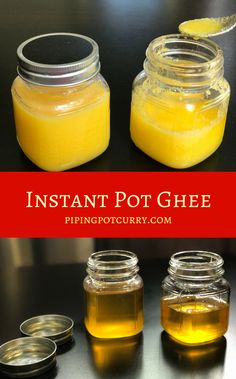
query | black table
(42,289)
(123,30)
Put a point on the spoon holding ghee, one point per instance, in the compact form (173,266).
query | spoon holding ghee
(208,27)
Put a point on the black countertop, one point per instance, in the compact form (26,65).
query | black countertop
(123,30)
(49,288)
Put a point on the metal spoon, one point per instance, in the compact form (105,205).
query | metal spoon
(223,24)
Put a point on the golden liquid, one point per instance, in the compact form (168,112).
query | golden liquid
(58,129)
(174,132)
(195,322)
(114,314)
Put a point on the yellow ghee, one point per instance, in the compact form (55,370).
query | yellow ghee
(200,27)
(61,127)
(195,322)
(180,101)
(176,131)
(115,314)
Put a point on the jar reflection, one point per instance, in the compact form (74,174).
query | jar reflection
(112,356)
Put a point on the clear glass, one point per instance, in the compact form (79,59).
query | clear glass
(60,127)
(195,298)
(114,295)
(180,101)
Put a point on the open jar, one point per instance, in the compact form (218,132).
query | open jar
(195,298)
(114,295)
(61,101)
(180,101)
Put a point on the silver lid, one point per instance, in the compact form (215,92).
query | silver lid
(58,328)
(28,356)
(58,59)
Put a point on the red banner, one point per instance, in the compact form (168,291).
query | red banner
(118,204)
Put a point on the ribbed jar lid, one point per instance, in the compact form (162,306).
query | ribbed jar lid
(27,357)
(58,59)
(58,328)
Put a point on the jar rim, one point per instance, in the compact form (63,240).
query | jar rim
(61,74)
(200,258)
(180,61)
(103,259)
(204,42)
(196,265)
(112,265)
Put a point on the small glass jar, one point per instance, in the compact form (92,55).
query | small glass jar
(195,298)
(61,101)
(180,101)
(114,295)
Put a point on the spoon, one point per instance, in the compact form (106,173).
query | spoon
(208,27)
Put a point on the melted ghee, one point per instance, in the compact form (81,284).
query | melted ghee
(194,322)
(114,314)
(200,27)
(176,131)
(58,128)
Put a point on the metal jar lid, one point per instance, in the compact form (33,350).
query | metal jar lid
(28,356)
(58,59)
(58,328)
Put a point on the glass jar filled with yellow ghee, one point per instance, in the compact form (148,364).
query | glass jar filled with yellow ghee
(195,298)
(61,101)
(114,295)
(180,101)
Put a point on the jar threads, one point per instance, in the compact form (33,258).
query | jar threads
(184,62)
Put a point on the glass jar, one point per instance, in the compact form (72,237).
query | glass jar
(195,298)
(114,295)
(180,101)
(61,101)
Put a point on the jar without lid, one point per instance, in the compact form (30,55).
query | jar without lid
(180,101)
(195,298)
(114,295)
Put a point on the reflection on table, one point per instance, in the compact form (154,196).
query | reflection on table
(116,355)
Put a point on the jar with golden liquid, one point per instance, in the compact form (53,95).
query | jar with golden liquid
(180,101)
(61,101)
(195,298)
(114,295)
